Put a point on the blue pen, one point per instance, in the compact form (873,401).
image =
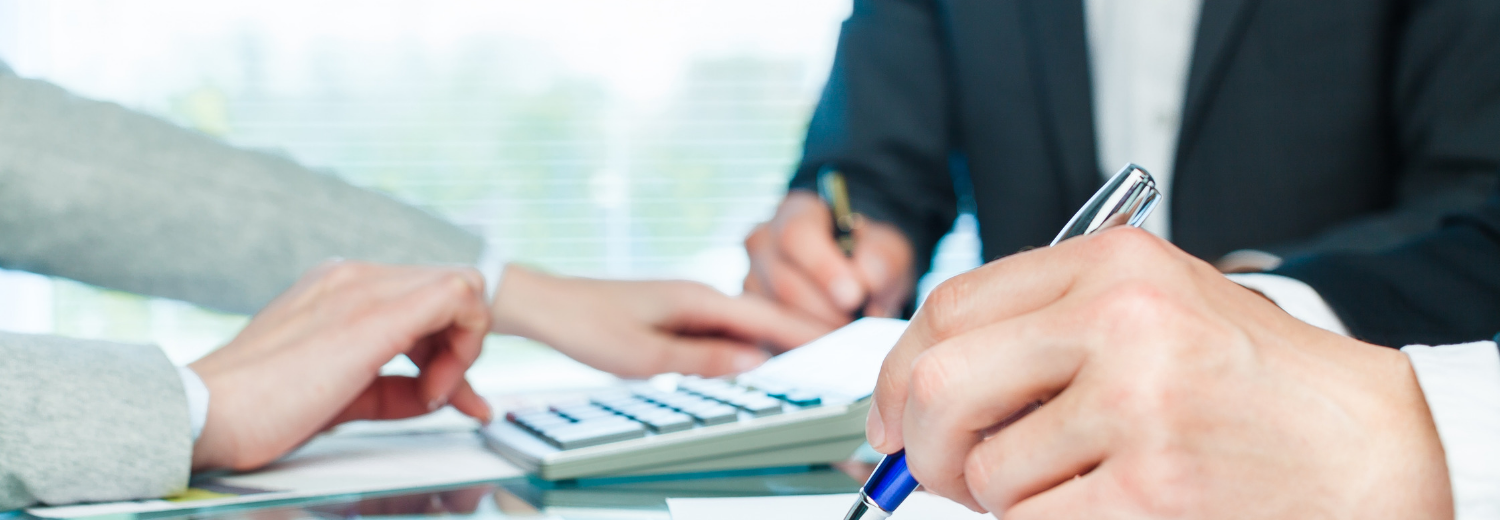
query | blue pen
(1127,198)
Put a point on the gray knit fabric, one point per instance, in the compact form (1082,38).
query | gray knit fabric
(96,193)
(88,420)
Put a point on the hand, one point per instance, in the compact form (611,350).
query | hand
(794,260)
(311,359)
(639,329)
(1169,392)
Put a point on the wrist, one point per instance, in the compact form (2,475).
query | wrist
(509,310)
(214,447)
(1416,483)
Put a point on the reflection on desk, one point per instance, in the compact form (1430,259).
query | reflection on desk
(536,500)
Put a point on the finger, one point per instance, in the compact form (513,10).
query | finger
(387,397)
(756,245)
(805,239)
(1050,446)
(750,318)
(1002,289)
(883,258)
(708,357)
(783,282)
(445,305)
(964,386)
(1075,498)
(467,401)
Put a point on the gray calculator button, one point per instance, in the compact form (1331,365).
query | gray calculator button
(803,398)
(538,421)
(760,406)
(714,414)
(683,400)
(668,422)
(612,399)
(587,434)
(639,409)
(583,412)
(650,394)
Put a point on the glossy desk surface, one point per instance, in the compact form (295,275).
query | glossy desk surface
(523,498)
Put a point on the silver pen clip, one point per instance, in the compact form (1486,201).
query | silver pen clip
(1127,198)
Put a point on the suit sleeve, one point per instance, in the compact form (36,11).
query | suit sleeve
(99,194)
(1446,107)
(1440,289)
(89,421)
(884,120)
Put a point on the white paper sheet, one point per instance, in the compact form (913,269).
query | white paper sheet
(337,464)
(920,506)
(845,363)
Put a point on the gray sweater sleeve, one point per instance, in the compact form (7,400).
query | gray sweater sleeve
(89,421)
(99,194)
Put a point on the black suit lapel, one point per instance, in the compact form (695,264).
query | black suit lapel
(1220,28)
(1059,60)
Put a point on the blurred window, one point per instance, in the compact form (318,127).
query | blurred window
(627,139)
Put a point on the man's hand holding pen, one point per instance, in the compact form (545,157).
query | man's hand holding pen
(1162,381)
(796,260)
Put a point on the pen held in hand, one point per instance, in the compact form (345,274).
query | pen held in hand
(1127,198)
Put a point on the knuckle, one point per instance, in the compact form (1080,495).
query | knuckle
(1155,483)
(945,304)
(340,272)
(459,285)
(756,239)
(979,475)
(931,379)
(1125,243)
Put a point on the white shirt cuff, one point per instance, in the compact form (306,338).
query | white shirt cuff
(197,399)
(1462,387)
(1296,298)
(491,264)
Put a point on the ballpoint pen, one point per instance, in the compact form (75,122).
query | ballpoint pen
(1126,199)
(835,192)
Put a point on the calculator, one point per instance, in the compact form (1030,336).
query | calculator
(804,407)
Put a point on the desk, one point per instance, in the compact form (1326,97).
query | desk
(523,498)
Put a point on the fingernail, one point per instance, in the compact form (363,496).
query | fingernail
(875,428)
(437,403)
(747,360)
(846,293)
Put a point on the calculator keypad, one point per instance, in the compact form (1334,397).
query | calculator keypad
(626,415)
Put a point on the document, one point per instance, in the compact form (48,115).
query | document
(920,506)
(842,366)
(329,465)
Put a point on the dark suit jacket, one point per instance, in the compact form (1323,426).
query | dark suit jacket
(1439,289)
(1308,126)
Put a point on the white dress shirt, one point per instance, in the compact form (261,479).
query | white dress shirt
(1140,54)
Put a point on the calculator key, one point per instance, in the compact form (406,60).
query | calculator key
(668,422)
(684,400)
(639,409)
(714,414)
(699,385)
(538,421)
(650,393)
(803,398)
(594,433)
(612,399)
(583,412)
(760,406)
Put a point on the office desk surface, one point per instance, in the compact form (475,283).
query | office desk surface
(523,498)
